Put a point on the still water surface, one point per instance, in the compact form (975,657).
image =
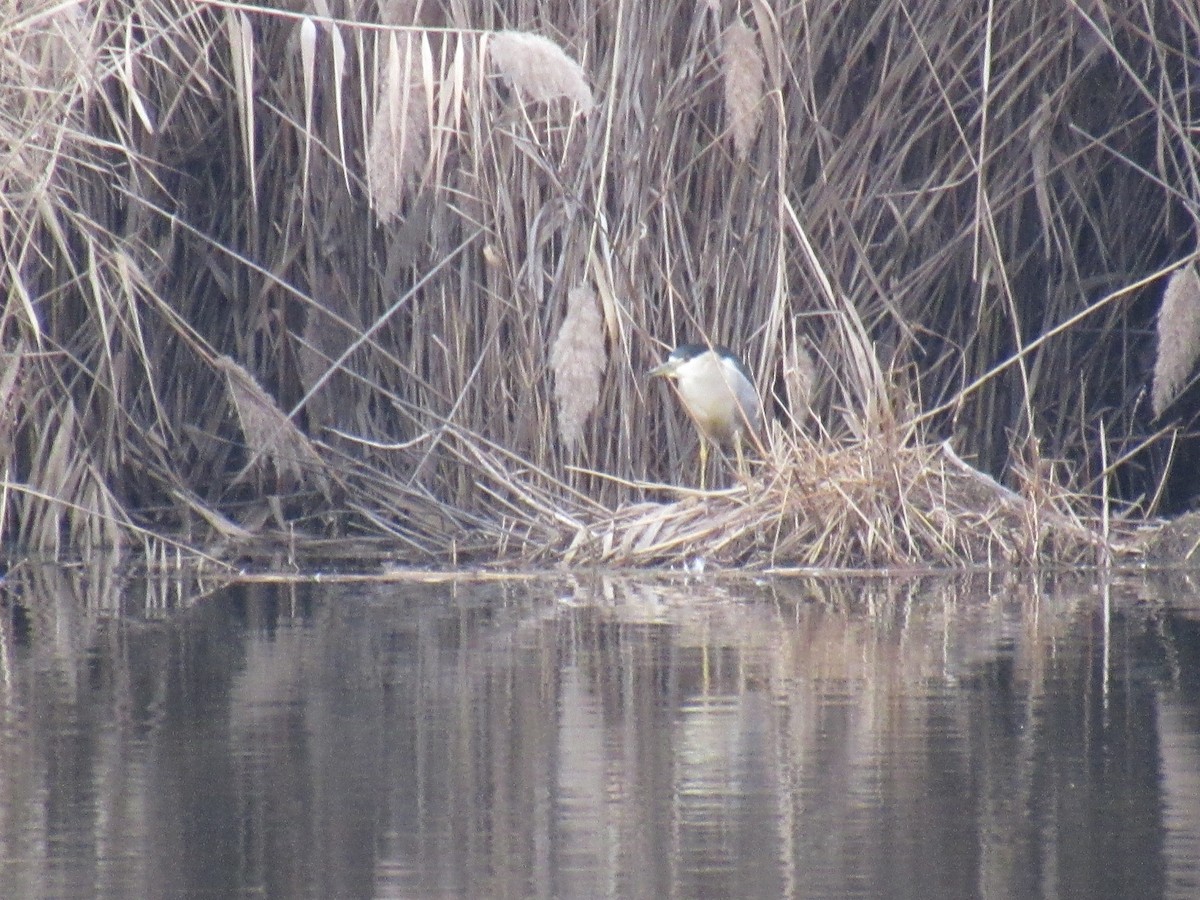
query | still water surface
(957,738)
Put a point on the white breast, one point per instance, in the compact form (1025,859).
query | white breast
(711,386)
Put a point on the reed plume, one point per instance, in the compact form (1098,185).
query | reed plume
(1178,337)
(270,435)
(539,68)
(578,359)
(742,66)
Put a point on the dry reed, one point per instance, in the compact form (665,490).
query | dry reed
(945,246)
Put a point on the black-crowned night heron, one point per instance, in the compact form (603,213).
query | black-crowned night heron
(719,395)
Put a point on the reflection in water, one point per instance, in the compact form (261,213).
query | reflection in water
(816,738)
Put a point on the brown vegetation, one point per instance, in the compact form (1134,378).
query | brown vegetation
(347,272)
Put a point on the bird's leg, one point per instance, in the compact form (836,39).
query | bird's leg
(743,473)
(703,462)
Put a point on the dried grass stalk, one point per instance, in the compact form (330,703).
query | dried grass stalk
(578,359)
(1178,337)
(272,436)
(538,68)
(398,146)
(742,65)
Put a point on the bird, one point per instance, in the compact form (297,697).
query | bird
(718,394)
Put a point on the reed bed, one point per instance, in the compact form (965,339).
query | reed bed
(398,269)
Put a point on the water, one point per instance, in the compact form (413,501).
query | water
(958,738)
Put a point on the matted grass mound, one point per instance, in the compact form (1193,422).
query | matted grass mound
(809,505)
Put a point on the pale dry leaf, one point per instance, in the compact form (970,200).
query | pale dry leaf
(578,359)
(456,84)
(1178,337)
(742,66)
(19,287)
(767,27)
(1039,139)
(539,68)
(241,46)
(129,73)
(448,105)
(601,270)
(308,65)
(339,70)
(429,82)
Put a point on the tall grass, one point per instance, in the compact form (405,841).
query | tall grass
(306,271)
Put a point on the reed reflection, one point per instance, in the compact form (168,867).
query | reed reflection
(596,737)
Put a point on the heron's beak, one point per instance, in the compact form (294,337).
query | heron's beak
(662,370)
